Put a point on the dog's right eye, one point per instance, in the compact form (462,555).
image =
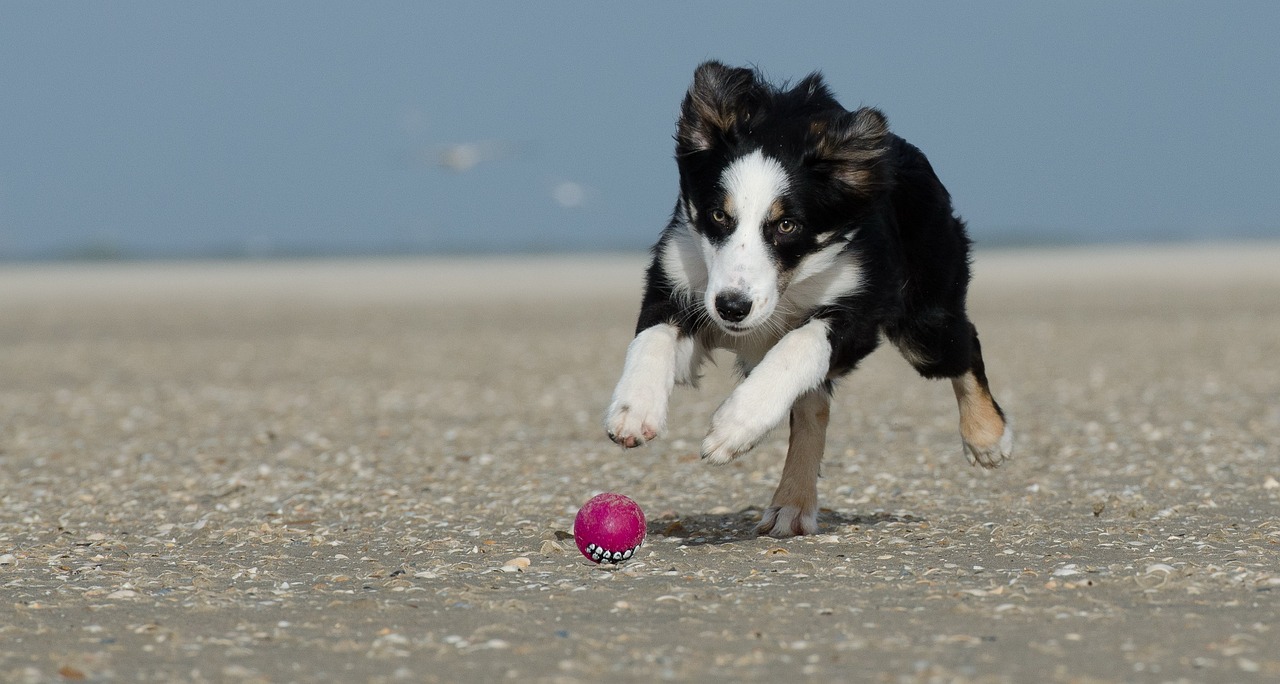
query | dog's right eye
(719,216)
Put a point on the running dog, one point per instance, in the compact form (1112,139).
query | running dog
(803,232)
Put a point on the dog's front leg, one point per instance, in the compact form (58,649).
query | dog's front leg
(638,411)
(798,363)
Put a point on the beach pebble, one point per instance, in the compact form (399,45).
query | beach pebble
(516,564)
(550,547)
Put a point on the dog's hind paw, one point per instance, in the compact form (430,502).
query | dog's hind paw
(990,455)
(788,521)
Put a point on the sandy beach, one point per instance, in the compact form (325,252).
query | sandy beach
(367,470)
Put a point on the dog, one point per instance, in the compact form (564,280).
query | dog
(802,234)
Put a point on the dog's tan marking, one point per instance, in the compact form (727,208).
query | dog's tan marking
(775,211)
(728,205)
(981,425)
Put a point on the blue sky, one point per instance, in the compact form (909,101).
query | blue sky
(159,128)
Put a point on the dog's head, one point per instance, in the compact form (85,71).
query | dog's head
(772,182)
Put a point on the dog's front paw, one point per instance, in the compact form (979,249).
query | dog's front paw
(789,521)
(632,421)
(735,430)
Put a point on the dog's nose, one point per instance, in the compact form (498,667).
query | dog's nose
(733,305)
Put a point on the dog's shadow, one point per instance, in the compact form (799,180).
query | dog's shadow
(726,528)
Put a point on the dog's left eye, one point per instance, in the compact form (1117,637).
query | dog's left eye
(788,226)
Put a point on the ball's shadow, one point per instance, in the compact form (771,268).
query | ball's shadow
(726,528)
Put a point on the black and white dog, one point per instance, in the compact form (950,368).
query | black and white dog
(802,233)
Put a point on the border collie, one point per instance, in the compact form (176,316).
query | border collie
(803,232)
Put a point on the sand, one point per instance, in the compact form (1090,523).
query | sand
(327,472)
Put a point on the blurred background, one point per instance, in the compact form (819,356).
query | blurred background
(137,130)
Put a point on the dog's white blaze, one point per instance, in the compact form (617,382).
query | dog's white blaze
(742,262)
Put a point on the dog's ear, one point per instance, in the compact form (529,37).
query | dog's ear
(720,98)
(813,87)
(854,146)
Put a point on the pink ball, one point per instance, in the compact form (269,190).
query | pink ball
(609,528)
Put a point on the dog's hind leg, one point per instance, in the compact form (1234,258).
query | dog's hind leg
(944,344)
(794,509)
(988,441)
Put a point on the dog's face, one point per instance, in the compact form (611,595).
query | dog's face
(772,183)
